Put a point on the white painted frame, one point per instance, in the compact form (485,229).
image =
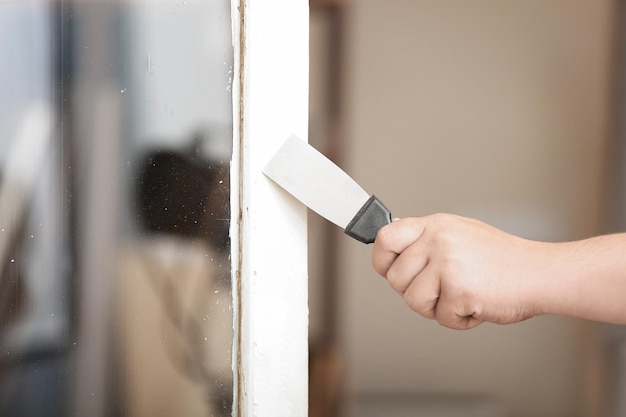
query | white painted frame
(270,92)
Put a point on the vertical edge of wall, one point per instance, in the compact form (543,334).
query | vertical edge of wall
(270,239)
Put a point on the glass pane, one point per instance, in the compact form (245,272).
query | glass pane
(115,149)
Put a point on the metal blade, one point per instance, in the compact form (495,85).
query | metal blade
(316,181)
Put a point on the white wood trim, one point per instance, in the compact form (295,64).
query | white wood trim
(271,358)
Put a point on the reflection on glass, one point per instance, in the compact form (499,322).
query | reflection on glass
(115,146)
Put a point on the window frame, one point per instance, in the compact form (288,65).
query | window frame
(269,228)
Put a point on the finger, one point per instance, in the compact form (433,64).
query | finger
(454,314)
(392,240)
(407,266)
(422,295)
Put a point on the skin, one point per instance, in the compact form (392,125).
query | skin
(462,272)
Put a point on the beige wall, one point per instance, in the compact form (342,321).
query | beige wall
(489,108)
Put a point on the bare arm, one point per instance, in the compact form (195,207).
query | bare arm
(462,272)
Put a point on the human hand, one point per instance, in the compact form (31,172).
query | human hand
(459,271)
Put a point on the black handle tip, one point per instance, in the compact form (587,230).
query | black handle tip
(368,221)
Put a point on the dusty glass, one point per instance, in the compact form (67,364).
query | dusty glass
(115,149)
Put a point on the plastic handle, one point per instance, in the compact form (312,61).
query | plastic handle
(369,219)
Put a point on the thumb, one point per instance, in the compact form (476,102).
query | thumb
(393,239)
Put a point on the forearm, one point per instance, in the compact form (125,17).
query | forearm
(585,279)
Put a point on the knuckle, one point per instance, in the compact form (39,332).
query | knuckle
(441,229)
(412,301)
(379,267)
(454,324)
(439,218)
(418,304)
(460,322)
(395,281)
(442,221)
(451,267)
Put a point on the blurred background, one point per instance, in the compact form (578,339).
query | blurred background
(115,142)
(507,111)
(115,148)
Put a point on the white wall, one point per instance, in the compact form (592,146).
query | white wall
(495,109)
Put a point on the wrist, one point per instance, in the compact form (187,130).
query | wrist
(550,277)
(578,279)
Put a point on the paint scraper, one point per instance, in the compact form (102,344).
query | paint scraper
(326,189)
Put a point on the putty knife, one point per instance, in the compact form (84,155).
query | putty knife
(326,189)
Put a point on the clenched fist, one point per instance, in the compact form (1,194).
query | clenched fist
(462,272)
